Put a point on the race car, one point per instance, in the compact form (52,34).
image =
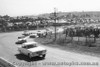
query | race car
(33,35)
(32,50)
(21,41)
(41,33)
(25,33)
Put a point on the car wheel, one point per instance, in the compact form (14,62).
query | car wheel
(29,55)
(43,56)
(20,51)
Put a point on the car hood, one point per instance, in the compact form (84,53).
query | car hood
(35,49)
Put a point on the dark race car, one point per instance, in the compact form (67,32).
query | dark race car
(21,41)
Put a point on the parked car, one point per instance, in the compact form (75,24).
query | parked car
(32,50)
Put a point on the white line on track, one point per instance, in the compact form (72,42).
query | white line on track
(8,61)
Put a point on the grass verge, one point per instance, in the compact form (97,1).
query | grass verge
(69,44)
(4,63)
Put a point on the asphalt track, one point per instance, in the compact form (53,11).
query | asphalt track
(55,57)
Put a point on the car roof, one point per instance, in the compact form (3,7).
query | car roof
(33,34)
(28,43)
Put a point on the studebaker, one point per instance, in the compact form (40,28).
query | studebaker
(32,50)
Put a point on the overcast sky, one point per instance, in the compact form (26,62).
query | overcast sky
(34,7)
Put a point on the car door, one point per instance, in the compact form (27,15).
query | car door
(25,51)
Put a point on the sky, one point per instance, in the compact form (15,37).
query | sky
(35,7)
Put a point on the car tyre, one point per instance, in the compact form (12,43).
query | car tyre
(29,55)
(43,56)
(20,52)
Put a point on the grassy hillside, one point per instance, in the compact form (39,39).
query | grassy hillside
(91,14)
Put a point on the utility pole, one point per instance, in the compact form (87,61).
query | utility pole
(55,20)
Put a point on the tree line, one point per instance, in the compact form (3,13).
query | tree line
(8,23)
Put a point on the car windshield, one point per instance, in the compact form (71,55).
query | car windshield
(29,46)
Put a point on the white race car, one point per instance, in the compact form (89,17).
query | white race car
(32,50)
(22,39)
(34,35)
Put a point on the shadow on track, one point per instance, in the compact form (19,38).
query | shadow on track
(26,58)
